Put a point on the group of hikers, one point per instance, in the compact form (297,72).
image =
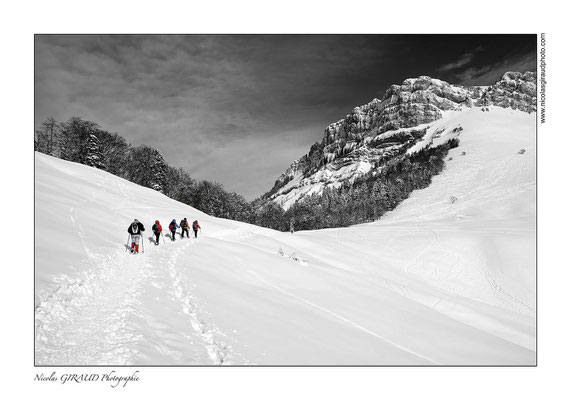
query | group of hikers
(136,228)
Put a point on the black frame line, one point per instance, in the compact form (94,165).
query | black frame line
(303,365)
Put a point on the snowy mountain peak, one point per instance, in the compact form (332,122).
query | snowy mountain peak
(373,133)
(516,90)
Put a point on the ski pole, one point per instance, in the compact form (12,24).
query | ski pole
(143,242)
(163,237)
(127,245)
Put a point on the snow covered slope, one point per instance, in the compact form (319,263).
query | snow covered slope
(377,132)
(433,282)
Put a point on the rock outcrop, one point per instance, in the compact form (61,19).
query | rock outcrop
(377,131)
(517,90)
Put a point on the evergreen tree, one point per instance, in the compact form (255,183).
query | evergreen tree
(52,128)
(75,134)
(40,141)
(93,156)
(158,181)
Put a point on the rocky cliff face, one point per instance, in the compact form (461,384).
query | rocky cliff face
(517,90)
(377,131)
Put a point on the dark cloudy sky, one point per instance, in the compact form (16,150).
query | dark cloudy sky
(239,109)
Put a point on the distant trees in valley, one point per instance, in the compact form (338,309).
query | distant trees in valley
(85,142)
(365,199)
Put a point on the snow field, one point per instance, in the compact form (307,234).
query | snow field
(432,282)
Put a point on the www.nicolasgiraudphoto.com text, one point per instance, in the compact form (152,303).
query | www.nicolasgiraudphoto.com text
(542,79)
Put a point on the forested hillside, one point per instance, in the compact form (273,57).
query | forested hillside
(86,142)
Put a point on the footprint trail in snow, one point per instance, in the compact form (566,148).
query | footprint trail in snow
(95,319)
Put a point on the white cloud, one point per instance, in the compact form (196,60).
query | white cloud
(463,61)
(489,74)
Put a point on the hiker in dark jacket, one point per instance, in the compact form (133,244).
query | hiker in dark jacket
(184,226)
(172,227)
(135,230)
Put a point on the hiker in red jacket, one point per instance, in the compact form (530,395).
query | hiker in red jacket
(157,229)
(196,227)
(184,227)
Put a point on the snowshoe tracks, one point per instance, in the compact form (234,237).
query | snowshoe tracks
(218,352)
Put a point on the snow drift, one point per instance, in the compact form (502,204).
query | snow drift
(436,281)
